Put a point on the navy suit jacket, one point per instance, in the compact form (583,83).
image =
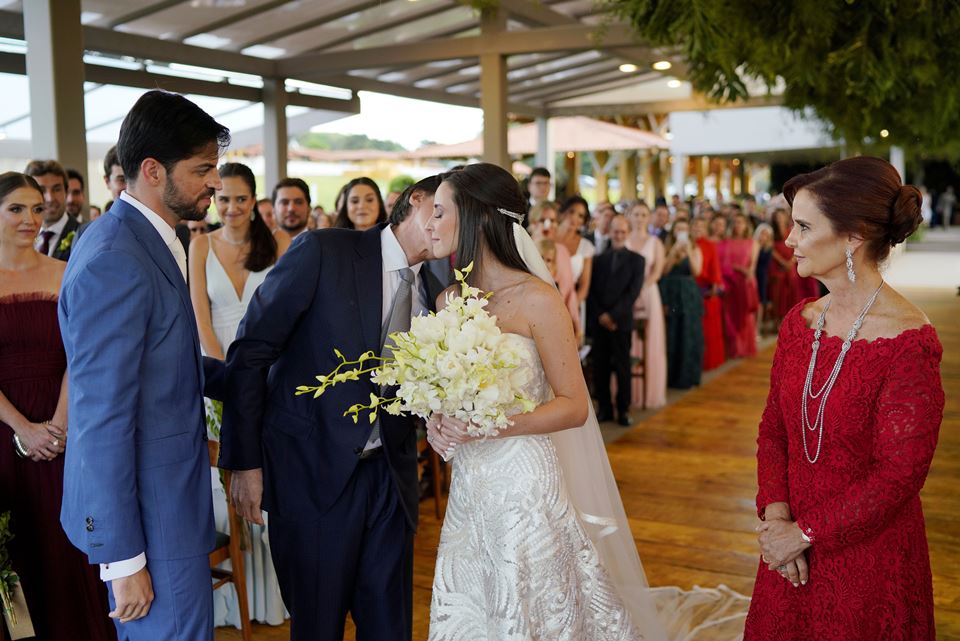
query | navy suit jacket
(71,226)
(137,473)
(324,293)
(613,290)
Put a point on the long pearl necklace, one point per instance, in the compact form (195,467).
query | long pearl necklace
(817,425)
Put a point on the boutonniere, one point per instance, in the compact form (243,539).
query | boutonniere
(66,242)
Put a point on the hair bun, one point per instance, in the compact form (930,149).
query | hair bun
(906,214)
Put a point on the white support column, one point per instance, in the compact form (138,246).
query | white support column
(493,93)
(55,71)
(545,156)
(274,132)
(898,160)
(679,174)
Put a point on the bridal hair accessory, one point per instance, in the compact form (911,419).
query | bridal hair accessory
(512,214)
(851,275)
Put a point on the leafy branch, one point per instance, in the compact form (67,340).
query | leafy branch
(8,578)
(862,66)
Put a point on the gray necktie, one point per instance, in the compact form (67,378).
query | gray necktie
(399,321)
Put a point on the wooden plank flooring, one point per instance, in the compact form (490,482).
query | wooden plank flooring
(688,479)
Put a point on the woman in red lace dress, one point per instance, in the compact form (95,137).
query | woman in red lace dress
(844,551)
(66,598)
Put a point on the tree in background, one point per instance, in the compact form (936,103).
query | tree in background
(862,65)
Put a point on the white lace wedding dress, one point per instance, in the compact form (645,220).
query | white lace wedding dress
(515,561)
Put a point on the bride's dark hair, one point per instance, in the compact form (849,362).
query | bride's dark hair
(479,191)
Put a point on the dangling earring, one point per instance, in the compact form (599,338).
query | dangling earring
(253,215)
(851,275)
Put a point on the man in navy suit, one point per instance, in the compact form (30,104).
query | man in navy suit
(137,483)
(342,498)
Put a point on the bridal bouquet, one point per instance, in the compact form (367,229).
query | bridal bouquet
(454,362)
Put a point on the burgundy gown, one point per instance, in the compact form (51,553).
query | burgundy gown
(870,574)
(66,599)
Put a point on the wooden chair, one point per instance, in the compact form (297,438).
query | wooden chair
(638,364)
(228,548)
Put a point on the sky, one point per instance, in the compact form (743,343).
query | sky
(407,121)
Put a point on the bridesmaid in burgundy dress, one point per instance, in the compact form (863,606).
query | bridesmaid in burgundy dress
(850,426)
(66,598)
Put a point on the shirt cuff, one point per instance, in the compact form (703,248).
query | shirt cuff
(121,569)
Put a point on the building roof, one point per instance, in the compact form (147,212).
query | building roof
(561,52)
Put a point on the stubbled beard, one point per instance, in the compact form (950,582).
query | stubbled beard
(292,229)
(181,207)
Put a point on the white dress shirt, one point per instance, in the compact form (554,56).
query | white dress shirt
(167,233)
(129,567)
(394,260)
(57,229)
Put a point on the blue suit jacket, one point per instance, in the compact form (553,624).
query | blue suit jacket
(325,293)
(137,469)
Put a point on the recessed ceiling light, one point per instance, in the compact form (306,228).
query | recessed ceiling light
(628,67)
(673,84)
(662,65)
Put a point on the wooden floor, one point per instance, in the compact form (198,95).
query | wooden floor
(688,480)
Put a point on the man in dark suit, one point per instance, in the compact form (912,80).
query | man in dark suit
(615,285)
(58,229)
(342,498)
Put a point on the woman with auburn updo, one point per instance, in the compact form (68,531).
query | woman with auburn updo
(362,206)
(850,426)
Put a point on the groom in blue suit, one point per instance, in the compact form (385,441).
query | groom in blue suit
(136,493)
(342,498)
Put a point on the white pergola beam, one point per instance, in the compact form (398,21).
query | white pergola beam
(505,43)
(358,83)
(116,42)
(661,106)
(16,64)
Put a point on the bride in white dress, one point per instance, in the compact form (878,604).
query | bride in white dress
(535,544)
(226,268)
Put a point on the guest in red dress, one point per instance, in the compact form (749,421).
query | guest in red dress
(784,282)
(844,450)
(738,262)
(66,599)
(710,281)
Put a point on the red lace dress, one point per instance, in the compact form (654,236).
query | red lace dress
(66,598)
(860,503)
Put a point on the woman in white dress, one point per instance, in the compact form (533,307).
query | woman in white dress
(535,544)
(226,267)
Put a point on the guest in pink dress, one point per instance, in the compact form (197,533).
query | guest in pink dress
(738,260)
(650,390)
(546,229)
